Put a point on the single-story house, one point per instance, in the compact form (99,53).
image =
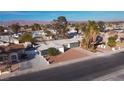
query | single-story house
(39,35)
(118,30)
(36,34)
(61,45)
(6,38)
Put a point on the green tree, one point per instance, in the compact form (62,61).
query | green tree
(53,51)
(60,25)
(26,38)
(112,41)
(63,25)
(55,25)
(90,34)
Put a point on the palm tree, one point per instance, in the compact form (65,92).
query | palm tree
(90,34)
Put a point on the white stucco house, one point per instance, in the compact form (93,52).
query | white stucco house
(61,45)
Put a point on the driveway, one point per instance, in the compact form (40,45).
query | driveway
(36,62)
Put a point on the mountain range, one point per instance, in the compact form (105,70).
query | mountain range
(30,22)
(23,22)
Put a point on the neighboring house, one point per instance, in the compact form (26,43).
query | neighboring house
(118,30)
(47,37)
(114,25)
(72,33)
(41,35)
(16,35)
(113,33)
(61,45)
(22,29)
(28,30)
(107,35)
(108,28)
(5,39)
(36,34)
(72,30)
(120,37)
(11,53)
(53,31)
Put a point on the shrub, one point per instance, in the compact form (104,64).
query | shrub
(53,51)
(112,41)
(26,38)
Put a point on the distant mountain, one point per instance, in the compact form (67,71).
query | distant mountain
(30,22)
(22,22)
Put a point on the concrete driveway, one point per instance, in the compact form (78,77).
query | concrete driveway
(37,62)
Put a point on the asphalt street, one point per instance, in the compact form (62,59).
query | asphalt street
(79,71)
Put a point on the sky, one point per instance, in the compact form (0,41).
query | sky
(70,15)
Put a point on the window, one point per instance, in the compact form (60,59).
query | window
(1,58)
(44,52)
(75,44)
(13,57)
(5,57)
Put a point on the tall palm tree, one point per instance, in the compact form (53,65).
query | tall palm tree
(90,34)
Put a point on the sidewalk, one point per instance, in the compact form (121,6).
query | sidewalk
(109,52)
